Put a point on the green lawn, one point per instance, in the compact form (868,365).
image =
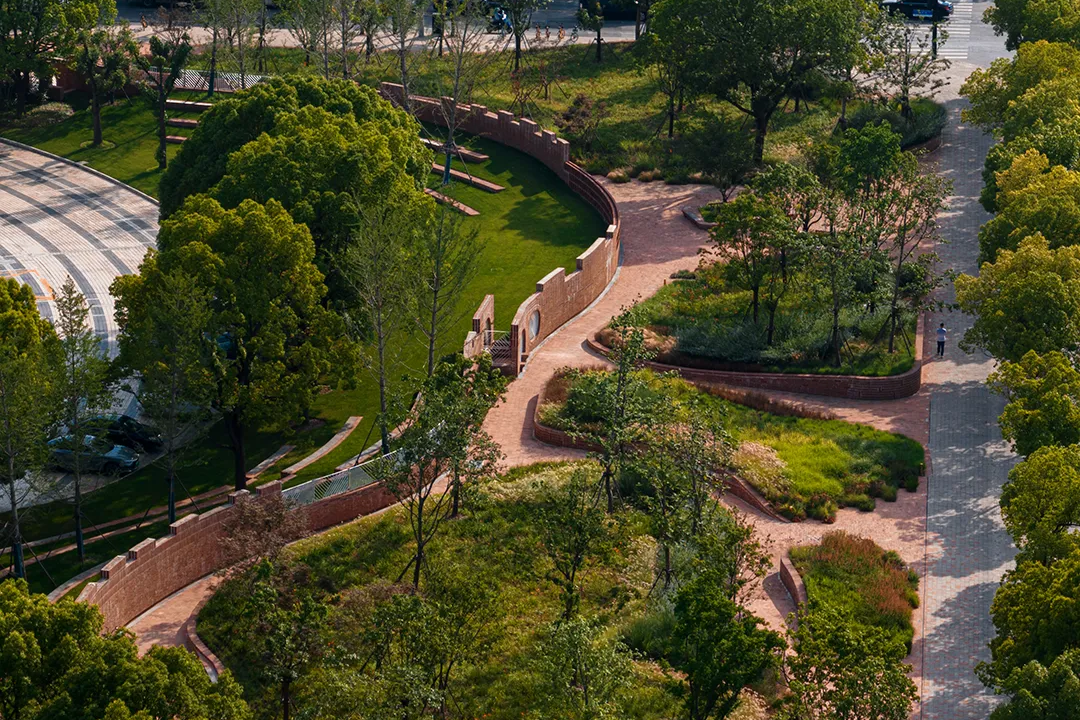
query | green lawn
(705,322)
(630,137)
(535,225)
(803,466)
(867,584)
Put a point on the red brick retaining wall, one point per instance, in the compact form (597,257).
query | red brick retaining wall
(854,387)
(154,569)
(792,581)
(559,295)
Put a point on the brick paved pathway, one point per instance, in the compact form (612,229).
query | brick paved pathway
(967,547)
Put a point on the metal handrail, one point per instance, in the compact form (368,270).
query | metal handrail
(361,475)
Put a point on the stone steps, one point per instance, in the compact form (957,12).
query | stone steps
(476,182)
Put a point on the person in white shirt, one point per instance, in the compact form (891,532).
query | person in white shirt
(942,335)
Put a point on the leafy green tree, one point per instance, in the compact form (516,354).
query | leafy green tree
(590,16)
(163,68)
(33,33)
(379,272)
(846,670)
(1032,198)
(520,14)
(1027,21)
(81,386)
(990,90)
(310,22)
(718,645)
(906,64)
(446,264)
(273,341)
(581,672)
(838,258)
(104,57)
(776,46)
(27,342)
(1042,693)
(444,436)
(573,531)
(663,52)
(1034,611)
(163,344)
(1043,393)
(56,664)
(202,160)
(1041,503)
(755,237)
(287,626)
(1025,300)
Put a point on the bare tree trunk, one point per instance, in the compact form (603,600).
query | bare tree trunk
(235,428)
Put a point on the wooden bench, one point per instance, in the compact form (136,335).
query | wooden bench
(695,217)
(265,464)
(476,182)
(464,153)
(175,139)
(182,123)
(443,200)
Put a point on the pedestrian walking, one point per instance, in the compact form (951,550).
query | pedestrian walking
(942,336)
(142,19)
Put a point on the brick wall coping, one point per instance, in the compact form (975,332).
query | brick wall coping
(793,582)
(854,387)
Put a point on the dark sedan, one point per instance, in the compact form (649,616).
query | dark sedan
(124,430)
(934,10)
(95,455)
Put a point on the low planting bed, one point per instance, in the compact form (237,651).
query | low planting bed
(700,320)
(804,466)
(866,583)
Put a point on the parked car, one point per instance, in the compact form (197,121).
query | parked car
(124,430)
(935,10)
(96,455)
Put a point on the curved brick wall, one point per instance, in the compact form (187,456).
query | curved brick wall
(154,569)
(559,295)
(854,387)
(793,582)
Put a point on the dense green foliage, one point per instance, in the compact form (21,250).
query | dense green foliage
(804,466)
(811,271)
(866,584)
(1023,301)
(56,663)
(489,604)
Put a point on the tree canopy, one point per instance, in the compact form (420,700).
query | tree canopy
(230,124)
(1026,300)
(56,665)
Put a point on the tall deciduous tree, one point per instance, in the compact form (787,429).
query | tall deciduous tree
(27,343)
(581,671)
(520,14)
(843,669)
(446,263)
(163,320)
(905,64)
(762,51)
(574,531)
(1043,394)
(1041,503)
(33,33)
(719,646)
(1025,300)
(309,22)
(104,56)
(663,52)
(272,339)
(163,68)
(56,663)
(377,267)
(81,386)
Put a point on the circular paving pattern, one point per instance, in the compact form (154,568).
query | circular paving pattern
(59,220)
